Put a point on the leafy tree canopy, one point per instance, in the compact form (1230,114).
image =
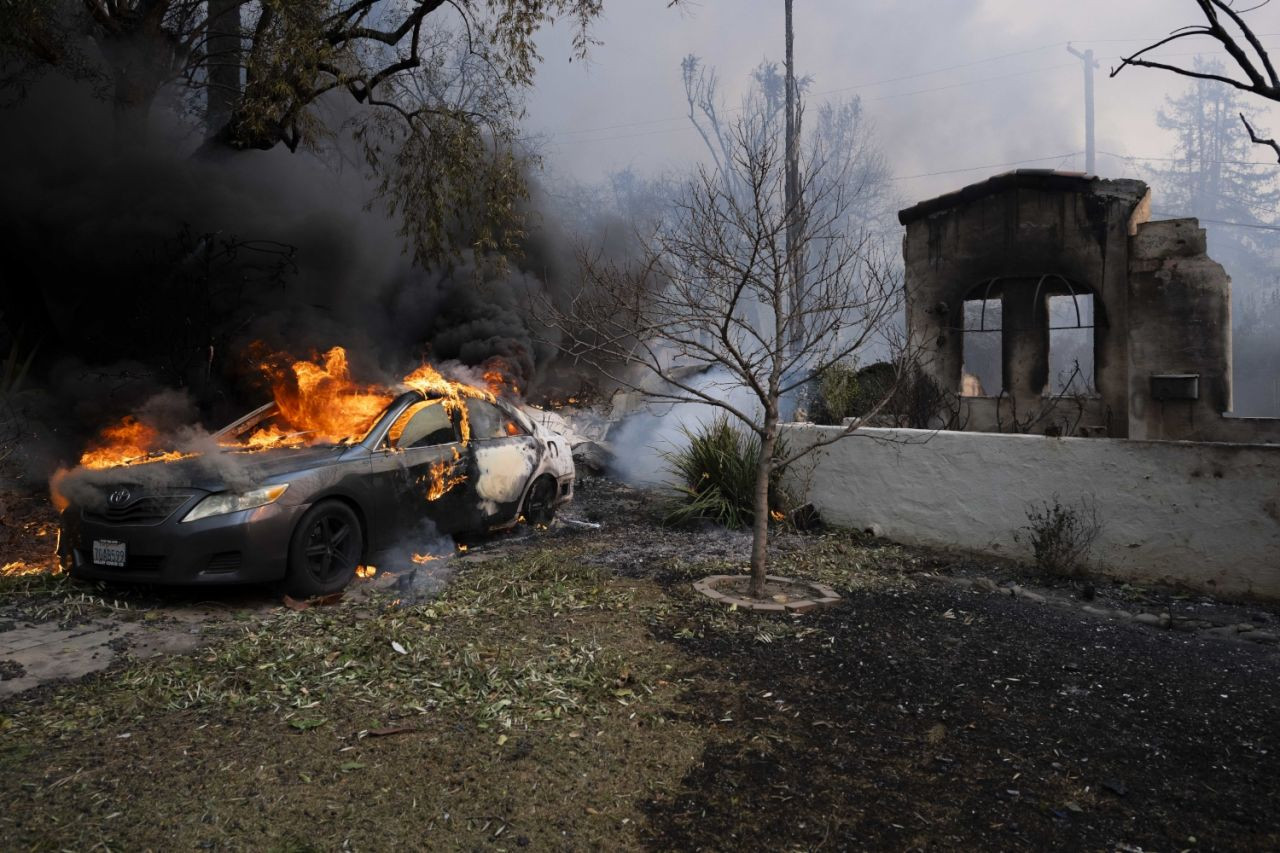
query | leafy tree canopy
(429,89)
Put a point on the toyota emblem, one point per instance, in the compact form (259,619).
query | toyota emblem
(119,497)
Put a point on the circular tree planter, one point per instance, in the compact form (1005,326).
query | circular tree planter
(781,595)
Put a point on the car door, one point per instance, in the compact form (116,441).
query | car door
(422,467)
(504,456)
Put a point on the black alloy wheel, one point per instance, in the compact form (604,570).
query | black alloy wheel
(325,551)
(539,504)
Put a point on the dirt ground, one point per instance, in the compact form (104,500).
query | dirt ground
(569,690)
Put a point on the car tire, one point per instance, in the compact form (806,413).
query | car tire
(325,550)
(539,503)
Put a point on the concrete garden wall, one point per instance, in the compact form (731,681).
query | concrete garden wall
(1200,515)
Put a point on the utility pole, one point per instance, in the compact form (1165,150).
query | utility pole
(1089,65)
(792,192)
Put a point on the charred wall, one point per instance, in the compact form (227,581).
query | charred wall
(1179,334)
(1015,230)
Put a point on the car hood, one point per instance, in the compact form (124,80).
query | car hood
(224,469)
(262,464)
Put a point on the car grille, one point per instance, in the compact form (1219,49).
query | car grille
(148,509)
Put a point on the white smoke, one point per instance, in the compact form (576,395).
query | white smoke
(657,427)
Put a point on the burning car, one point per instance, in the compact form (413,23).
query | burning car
(306,488)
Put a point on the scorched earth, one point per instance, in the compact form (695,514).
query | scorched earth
(569,690)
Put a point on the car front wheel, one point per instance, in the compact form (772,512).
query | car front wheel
(539,504)
(325,550)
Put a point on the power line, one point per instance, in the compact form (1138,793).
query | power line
(940,70)
(1127,41)
(892,96)
(914,76)
(1182,159)
(689,127)
(887,80)
(964,83)
(986,166)
(905,77)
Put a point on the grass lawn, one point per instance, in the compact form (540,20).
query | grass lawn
(547,701)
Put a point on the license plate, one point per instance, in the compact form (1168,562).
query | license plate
(108,552)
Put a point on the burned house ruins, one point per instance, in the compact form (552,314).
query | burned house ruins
(1050,303)
(1087,353)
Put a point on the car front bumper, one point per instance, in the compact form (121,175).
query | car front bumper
(250,546)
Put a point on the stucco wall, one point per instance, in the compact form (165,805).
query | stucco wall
(1200,515)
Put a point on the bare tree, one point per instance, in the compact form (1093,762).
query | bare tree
(677,325)
(1225,24)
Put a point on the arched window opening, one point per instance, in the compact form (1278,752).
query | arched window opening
(1071,347)
(982,372)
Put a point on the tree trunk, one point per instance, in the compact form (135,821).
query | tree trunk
(140,64)
(223,87)
(760,527)
(132,97)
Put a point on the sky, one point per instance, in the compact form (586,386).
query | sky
(951,85)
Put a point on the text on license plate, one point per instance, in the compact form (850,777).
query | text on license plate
(108,552)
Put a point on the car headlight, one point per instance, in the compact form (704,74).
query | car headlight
(225,502)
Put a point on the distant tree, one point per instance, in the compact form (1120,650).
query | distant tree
(615,210)
(840,134)
(1226,25)
(1211,175)
(674,323)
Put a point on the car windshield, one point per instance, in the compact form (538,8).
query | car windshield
(269,427)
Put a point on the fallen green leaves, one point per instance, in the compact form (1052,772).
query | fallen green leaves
(482,647)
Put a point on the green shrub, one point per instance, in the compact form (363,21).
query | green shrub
(837,392)
(911,398)
(717,472)
(847,391)
(1060,535)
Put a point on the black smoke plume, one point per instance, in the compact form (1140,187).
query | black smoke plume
(128,272)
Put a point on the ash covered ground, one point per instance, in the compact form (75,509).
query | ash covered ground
(567,689)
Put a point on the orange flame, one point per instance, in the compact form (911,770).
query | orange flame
(317,402)
(499,376)
(127,443)
(21,568)
(443,477)
(424,558)
(429,381)
(366,571)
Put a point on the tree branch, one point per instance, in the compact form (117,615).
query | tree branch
(1258,140)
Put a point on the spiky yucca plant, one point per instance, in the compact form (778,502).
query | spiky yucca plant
(717,471)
